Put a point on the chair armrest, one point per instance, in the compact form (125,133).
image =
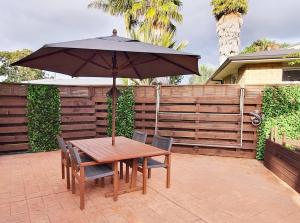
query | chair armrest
(92,163)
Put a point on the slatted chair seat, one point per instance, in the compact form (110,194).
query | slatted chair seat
(99,171)
(152,163)
(85,158)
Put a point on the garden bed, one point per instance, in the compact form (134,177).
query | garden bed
(284,163)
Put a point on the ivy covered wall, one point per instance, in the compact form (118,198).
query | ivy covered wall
(43,112)
(124,113)
(281,108)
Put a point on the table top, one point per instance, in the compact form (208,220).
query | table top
(101,149)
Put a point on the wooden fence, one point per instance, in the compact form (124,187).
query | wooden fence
(284,163)
(203,119)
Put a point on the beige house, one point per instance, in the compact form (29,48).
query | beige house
(266,67)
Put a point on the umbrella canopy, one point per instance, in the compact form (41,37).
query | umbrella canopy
(111,56)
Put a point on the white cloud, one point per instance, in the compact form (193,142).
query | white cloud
(32,23)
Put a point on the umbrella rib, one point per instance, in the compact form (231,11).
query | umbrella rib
(92,62)
(146,61)
(38,57)
(103,58)
(174,63)
(134,68)
(85,63)
(125,65)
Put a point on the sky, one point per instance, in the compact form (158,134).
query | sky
(33,23)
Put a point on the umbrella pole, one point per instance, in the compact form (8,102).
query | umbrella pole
(113,111)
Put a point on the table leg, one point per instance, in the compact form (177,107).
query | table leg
(115,181)
(133,173)
(145,170)
(132,185)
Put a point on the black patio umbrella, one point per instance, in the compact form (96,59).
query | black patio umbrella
(111,56)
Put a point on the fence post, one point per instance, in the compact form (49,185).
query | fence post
(157,108)
(242,98)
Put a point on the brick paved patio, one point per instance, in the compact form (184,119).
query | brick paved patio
(203,189)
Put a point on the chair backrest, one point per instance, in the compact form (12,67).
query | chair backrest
(162,142)
(61,144)
(139,136)
(75,157)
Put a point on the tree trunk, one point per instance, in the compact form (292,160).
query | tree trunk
(228,30)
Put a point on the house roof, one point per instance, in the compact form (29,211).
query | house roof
(233,63)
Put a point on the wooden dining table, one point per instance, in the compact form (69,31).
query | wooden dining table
(103,152)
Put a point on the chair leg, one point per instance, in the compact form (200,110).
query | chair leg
(127,173)
(149,173)
(168,162)
(62,166)
(145,168)
(73,181)
(81,188)
(96,181)
(121,170)
(68,175)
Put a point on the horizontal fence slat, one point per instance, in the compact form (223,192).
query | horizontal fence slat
(78,110)
(101,114)
(13,138)
(13,129)
(13,90)
(78,134)
(13,111)
(75,119)
(76,102)
(14,147)
(13,120)
(12,101)
(78,126)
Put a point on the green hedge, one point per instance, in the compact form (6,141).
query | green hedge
(124,113)
(43,112)
(281,108)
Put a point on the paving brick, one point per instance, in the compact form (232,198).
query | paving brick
(203,189)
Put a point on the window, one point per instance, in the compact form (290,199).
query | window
(291,75)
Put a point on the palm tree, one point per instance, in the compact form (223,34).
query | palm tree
(228,14)
(150,21)
(117,8)
(205,72)
(263,45)
(142,15)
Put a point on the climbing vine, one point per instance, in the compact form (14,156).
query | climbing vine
(281,108)
(43,117)
(124,113)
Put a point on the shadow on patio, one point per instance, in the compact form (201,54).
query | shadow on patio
(203,189)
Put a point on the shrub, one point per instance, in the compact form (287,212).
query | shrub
(43,112)
(281,108)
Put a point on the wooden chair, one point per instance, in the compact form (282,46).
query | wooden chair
(162,143)
(84,171)
(65,159)
(137,136)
